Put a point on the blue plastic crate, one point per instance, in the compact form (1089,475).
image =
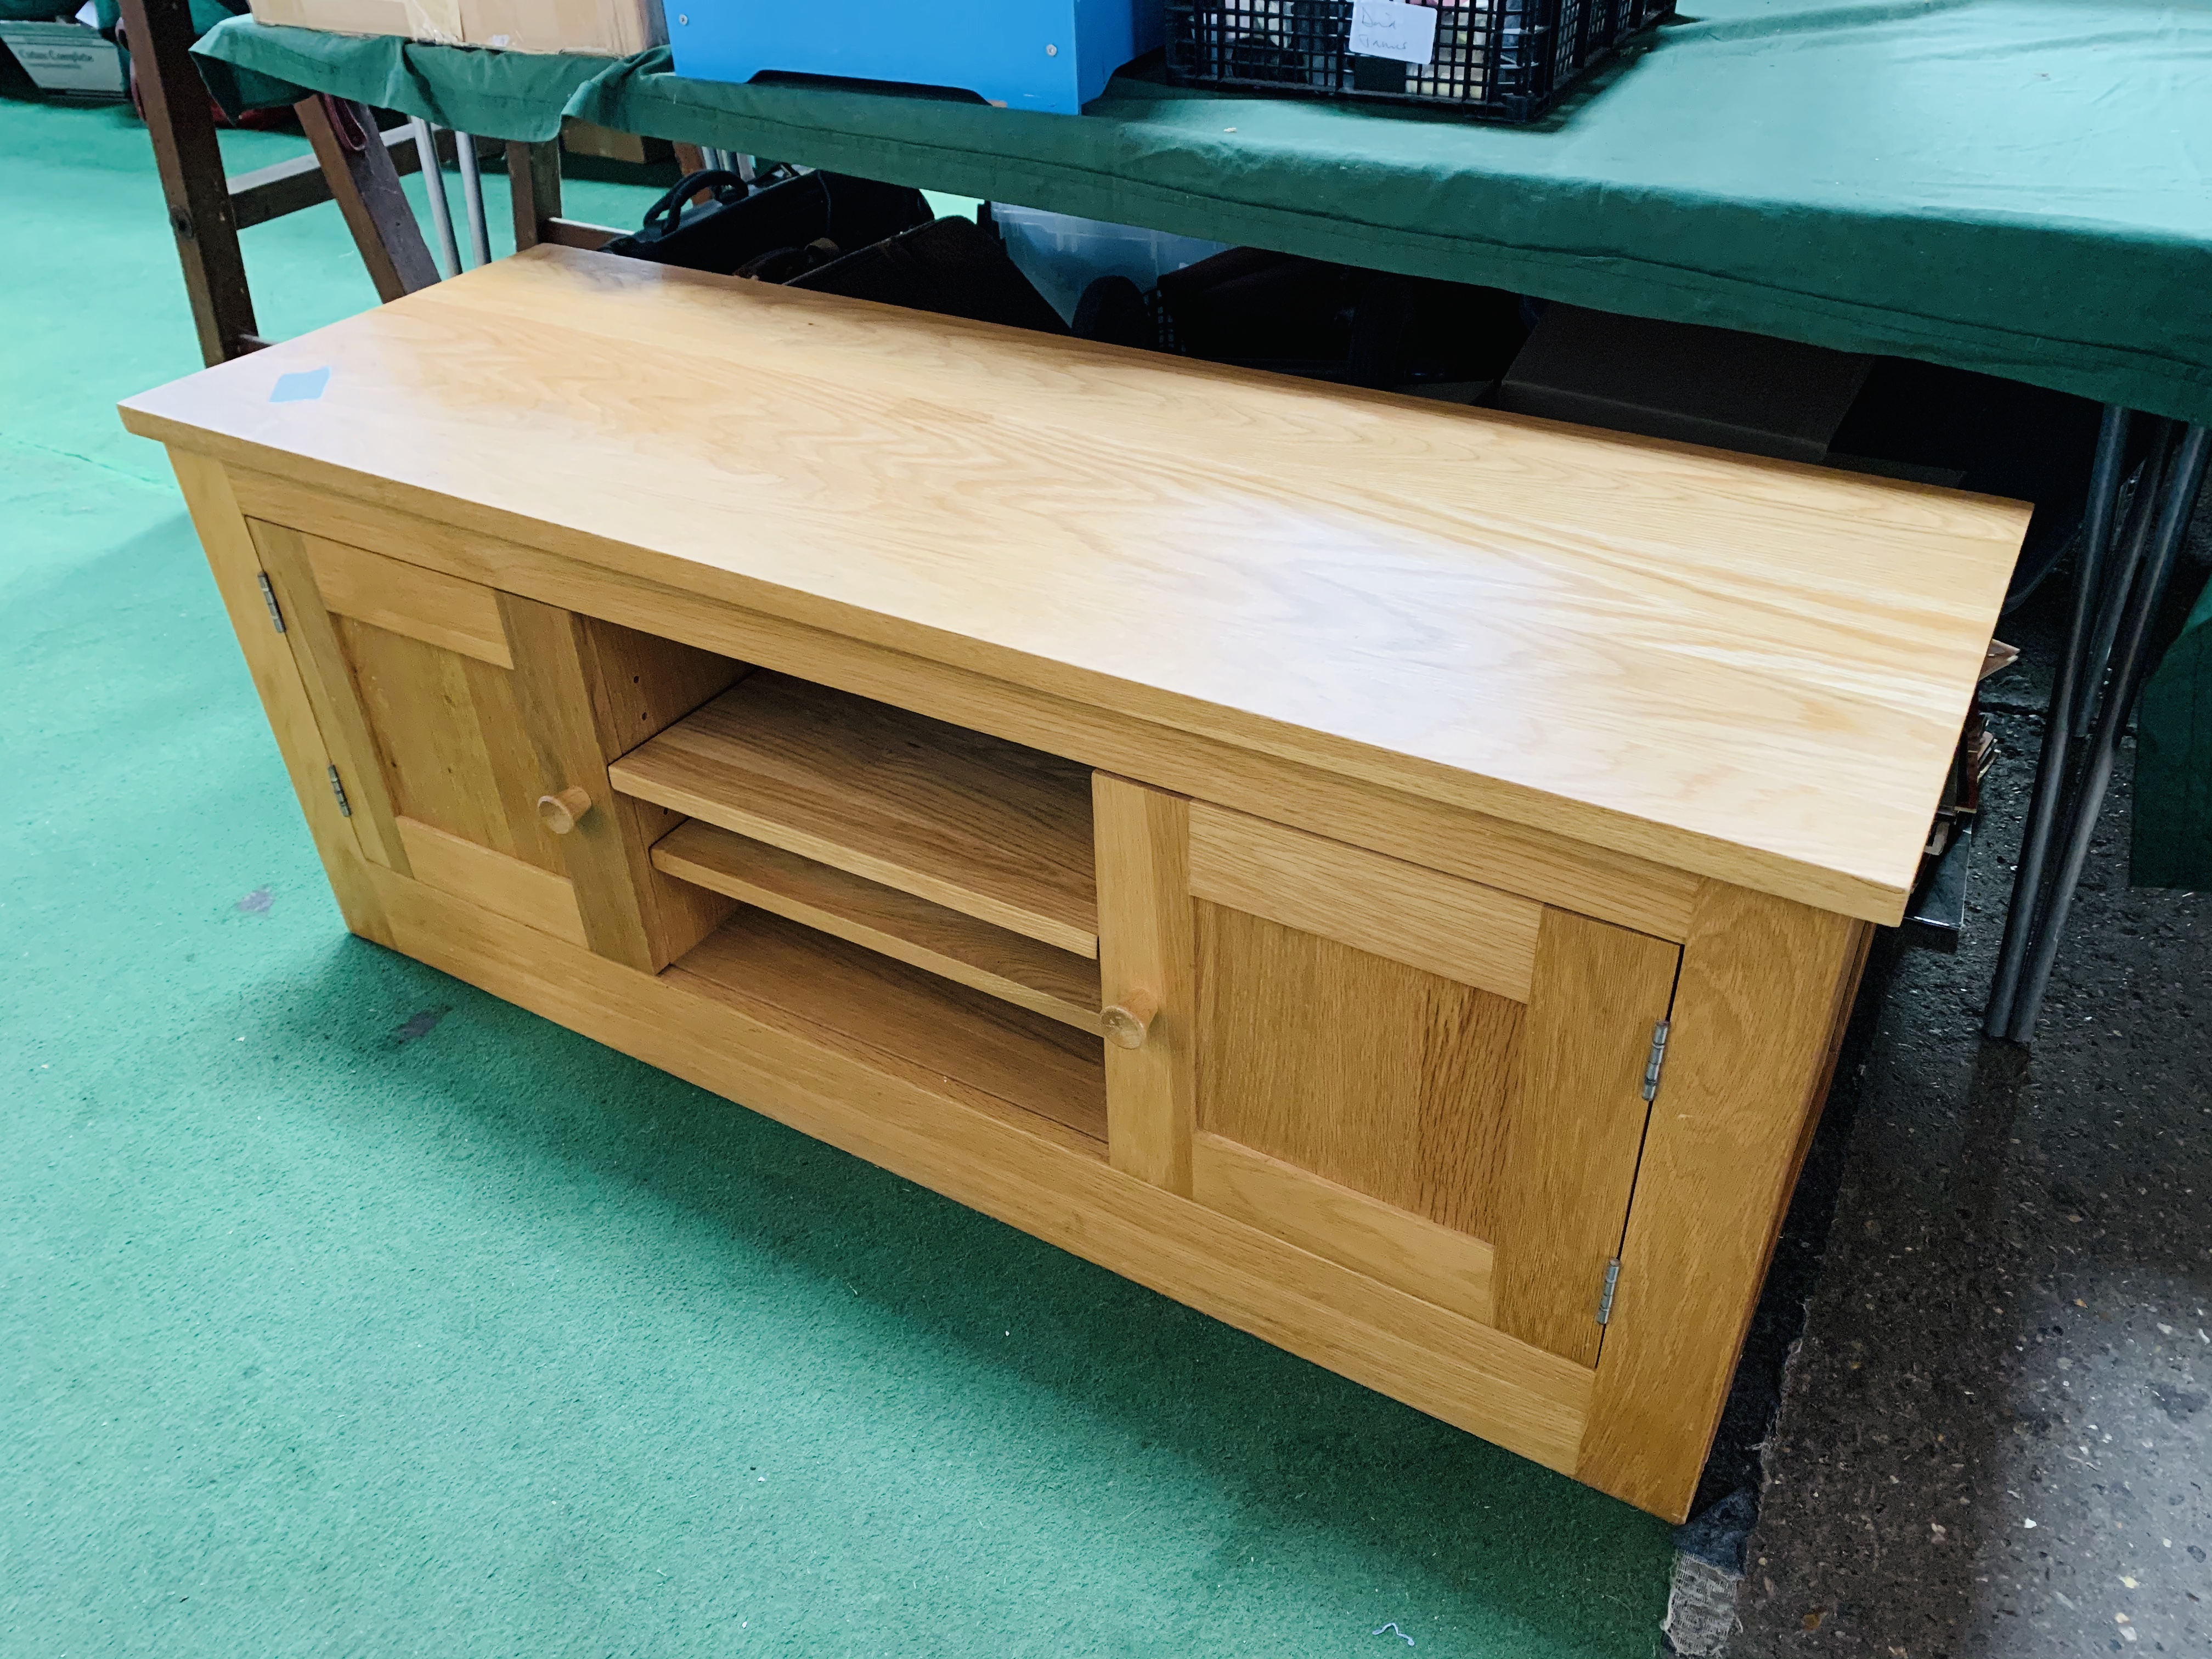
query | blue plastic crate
(1026,54)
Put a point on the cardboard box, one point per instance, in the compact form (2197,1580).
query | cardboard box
(1703,385)
(599,28)
(588,138)
(66,58)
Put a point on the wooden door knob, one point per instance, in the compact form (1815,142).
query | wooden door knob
(1126,1022)
(559,812)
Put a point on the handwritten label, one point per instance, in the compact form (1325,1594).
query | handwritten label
(1385,29)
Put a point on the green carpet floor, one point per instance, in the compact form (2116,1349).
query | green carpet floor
(346,1311)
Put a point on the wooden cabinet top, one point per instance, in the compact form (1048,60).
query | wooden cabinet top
(1748,669)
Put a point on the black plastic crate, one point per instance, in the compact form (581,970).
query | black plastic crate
(1507,60)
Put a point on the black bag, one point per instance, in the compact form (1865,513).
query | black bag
(1341,323)
(950,266)
(737,228)
(1112,310)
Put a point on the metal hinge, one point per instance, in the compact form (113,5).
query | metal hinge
(1605,1296)
(345,806)
(268,598)
(1651,1066)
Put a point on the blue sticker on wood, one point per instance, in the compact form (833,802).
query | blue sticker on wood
(301,387)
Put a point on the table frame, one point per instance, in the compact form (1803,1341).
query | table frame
(207,208)
(2123,565)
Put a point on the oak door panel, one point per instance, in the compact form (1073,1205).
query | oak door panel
(1366,1095)
(458,706)
(522,892)
(1385,1078)
(1461,929)
(413,671)
(406,599)
(451,741)
(1449,1268)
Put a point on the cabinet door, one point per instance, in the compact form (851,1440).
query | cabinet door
(452,711)
(1437,1083)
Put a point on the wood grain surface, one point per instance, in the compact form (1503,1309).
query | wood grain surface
(327,675)
(1475,935)
(1395,1246)
(1021,1058)
(982,826)
(455,752)
(408,599)
(1752,669)
(1615,886)
(552,690)
(1058,984)
(1147,958)
(279,679)
(641,685)
(1379,1076)
(536,898)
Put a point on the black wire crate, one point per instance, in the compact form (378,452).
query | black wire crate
(1505,60)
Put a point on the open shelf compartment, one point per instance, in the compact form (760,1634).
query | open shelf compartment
(1024,1060)
(1056,983)
(971,824)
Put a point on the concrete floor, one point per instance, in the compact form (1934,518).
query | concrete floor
(1994,1439)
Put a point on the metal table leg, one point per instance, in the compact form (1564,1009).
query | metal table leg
(434,179)
(2134,538)
(472,197)
(2091,565)
(2130,668)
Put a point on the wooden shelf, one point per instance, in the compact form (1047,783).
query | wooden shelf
(1020,1058)
(986,828)
(1056,983)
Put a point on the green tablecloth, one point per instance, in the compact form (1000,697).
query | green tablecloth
(2017,186)
(2012,185)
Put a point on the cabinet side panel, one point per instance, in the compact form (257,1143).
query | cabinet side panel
(1765,987)
(641,685)
(236,564)
(1145,951)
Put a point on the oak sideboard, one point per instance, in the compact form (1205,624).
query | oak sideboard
(1389,875)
